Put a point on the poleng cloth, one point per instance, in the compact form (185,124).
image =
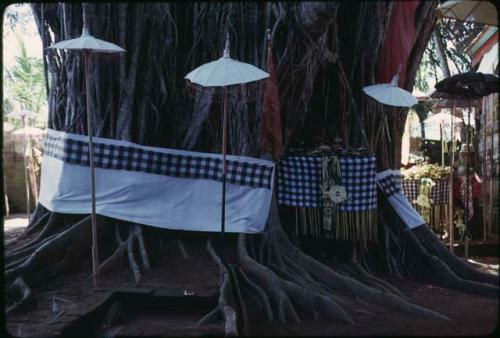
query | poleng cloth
(299,180)
(439,193)
(161,187)
(389,185)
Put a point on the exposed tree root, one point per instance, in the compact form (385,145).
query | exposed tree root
(447,277)
(27,296)
(457,264)
(182,249)
(435,260)
(337,281)
(226,304)
(136,272)
(274,279)
(108,264)
(37,221)
(142,247)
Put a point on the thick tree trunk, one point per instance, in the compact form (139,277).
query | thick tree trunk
(140,96)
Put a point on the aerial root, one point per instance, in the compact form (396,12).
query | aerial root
(463,269)
(27,295)
(109,263)
(34,225)
(268,281)
(182,249)
(142,247)
(358,272)
(446,276)
(226,303)
(335,280)
(136,272)
(289,287)
(259,294)
(53,222)
(315,302)
(127,246)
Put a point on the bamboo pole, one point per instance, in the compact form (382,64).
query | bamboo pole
(224,172)
(492,167)
(485,175)
(26,175)
(452,163)
(95,250)
(441,132)
(467,181)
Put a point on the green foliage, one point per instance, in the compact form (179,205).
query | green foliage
(458,35)
(429,68)
(455,36)
(422,109)
(24,86)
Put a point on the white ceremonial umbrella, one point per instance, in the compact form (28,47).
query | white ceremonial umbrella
(390,94)
(22,115)
(223,73)
(88,44)
(483,12)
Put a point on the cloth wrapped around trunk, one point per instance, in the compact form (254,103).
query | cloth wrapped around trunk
(160,187)
(391,188)
(300,185)
(438,215)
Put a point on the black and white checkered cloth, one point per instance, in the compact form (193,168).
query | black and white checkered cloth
(299,180)
(358,175)
(398,178)
(439,193)
(133,157)
(389,185)
(411,189)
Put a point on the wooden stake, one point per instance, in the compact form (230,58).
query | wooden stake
(95,250)
(224,172)
(452,162)
(26,176)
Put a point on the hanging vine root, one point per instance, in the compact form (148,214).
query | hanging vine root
(226,303)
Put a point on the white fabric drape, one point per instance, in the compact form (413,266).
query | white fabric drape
(156,200)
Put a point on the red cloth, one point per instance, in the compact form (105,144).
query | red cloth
(476,188)
(270,139)
(398,42)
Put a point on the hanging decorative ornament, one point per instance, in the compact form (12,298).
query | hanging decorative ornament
(337,193)
(332,193)
(423,201)
(459,222)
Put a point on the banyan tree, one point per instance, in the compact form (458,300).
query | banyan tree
(324,54)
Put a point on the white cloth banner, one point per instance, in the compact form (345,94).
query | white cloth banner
(389,184)
(183,194)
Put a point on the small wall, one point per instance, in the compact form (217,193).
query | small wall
(13,169)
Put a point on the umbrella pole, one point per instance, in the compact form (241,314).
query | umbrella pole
(467,183)
(452,162)
(441,133)
(95,252)
(224,172)
(26,178)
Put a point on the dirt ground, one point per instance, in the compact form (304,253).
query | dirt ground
(69,297)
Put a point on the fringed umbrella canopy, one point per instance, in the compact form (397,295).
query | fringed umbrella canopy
(390,94)
(88,42)
(225,72)
(468,85)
